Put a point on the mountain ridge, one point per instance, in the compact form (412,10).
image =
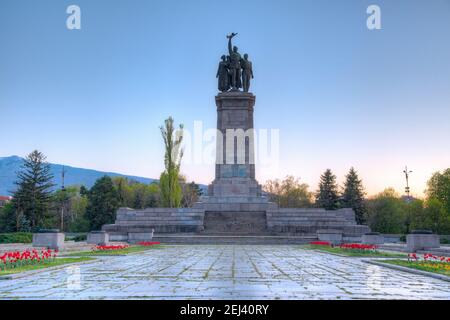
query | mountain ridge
(9,166)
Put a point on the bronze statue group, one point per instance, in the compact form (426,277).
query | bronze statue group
(234,72)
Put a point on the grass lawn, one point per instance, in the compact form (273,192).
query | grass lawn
(53,263)
(356,253)
(130,249)
(435,267)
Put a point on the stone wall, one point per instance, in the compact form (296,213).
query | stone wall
(161,220)
(307,221)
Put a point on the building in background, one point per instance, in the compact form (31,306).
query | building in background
(4,200)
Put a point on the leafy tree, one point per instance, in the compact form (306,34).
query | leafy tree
(84,191)
(327,196)
(289,193)
(124,190)
(74,204)
(33,196)
(353,195)
(191,193)
(171,193)
(136,195)
(438,187)
(103,203)
(387,212)
(430,215)
(78,209)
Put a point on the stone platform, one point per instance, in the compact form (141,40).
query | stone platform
(265,224)
(158,220)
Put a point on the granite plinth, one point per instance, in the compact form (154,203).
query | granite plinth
(51,240)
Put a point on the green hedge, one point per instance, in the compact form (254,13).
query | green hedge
(17,237)
(77,237)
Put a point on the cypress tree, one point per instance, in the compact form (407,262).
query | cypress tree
(171,192)
(327,195)
(353,196)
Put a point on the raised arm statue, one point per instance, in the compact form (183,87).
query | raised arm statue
(235,64)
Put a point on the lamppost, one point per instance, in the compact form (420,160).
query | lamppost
(63,194)
(407,190)
(408,198)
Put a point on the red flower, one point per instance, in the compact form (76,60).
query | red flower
(320,243)
(148,243)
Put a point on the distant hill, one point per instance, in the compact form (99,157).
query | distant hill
(9,166)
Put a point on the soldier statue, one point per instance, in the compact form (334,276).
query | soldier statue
(247,72)
(235,64)
(223,75)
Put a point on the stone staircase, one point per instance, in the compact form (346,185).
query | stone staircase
(234,223)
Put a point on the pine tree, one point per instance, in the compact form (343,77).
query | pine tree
(327,195)
(33,196)
(353,195)
(171,192)
(103,201)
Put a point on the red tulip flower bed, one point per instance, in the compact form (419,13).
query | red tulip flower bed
(428,257)
(11,260)
(111,247)
(320,243)
(427,262)
(358,246)
(148,243)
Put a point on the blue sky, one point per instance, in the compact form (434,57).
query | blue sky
(340,95)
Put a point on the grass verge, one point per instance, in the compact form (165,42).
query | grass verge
(130,249)
(53,263)
(429,266)
(356,253)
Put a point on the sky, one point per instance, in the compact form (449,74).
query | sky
(340,95)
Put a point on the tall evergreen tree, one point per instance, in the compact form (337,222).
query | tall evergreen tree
(353,195)
(171,192)
(103,201)
(327,195)
(32,199)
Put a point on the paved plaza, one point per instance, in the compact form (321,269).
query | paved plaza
(225,272)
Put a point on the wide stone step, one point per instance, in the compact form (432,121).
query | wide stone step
(233,239)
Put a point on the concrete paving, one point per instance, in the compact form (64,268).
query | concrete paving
(226,272)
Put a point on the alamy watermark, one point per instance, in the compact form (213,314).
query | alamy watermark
(231,146)
(73,278)
(73,21)
(374,19)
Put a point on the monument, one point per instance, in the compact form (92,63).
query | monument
(235,209)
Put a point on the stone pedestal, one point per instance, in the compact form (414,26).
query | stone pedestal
(330,235)
(235,147)
(372,238)
(136,237)
(51,240)
(418,241)
(100,238)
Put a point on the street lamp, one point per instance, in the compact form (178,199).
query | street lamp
(407,190)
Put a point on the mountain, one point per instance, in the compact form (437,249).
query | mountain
(9,166)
